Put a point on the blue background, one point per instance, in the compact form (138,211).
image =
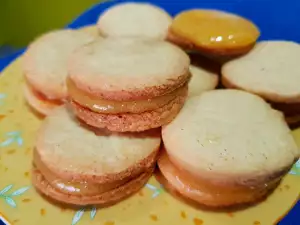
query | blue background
(277,19)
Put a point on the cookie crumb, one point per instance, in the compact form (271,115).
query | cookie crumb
(153,217)
(197,221)
(11,151)
(230,214)
(26,200)
(43,211)
(109,223)
(183,214)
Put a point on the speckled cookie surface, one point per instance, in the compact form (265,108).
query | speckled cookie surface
(106,155)
(129,69)
(214,131)
(270,70)
(45,61)
(141,20)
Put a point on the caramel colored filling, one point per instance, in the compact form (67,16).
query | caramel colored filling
(198,190)
(114,107)
(74,188)
(213,29)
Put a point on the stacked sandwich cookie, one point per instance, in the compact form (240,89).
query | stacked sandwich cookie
(81,166)
(271,70)
(125,85)
(45,68)
(226,147)
(128,84)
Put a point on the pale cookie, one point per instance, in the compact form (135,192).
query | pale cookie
(222,128)
(81,165)
(139,20)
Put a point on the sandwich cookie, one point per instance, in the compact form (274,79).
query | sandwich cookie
(271,70)
(213,33)
(128,84)
(139,20)
(202,80)
(45,67)
(226,147)
(80,166)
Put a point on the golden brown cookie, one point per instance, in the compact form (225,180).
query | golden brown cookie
(80,165)
(138,20)
(220,149)
(272,71)
(45,67)
(128,84)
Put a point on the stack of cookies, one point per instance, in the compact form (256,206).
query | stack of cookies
(113,92)
(105,101)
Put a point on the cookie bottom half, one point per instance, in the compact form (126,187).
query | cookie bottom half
(104,199)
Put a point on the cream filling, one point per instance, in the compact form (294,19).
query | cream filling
(198,190)
(74,188)
(115,107)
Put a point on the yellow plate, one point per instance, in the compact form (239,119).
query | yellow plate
(21,205)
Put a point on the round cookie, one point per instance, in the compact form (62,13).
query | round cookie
(270,70)
(80,165)
(202,80)
(213,33)
(128,84)
(139,20)
(45,66)
(219,129)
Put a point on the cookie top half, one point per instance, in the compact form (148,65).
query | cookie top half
(230,134)
(271,70)
(45,61)
(129,69)
(140,20)
(72,151)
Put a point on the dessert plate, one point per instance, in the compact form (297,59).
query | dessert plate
(21,205)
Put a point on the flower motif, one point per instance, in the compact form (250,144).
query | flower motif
(78,215)
(2,96)
(13,136)
(156,191)
(9,197)
(296,168)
